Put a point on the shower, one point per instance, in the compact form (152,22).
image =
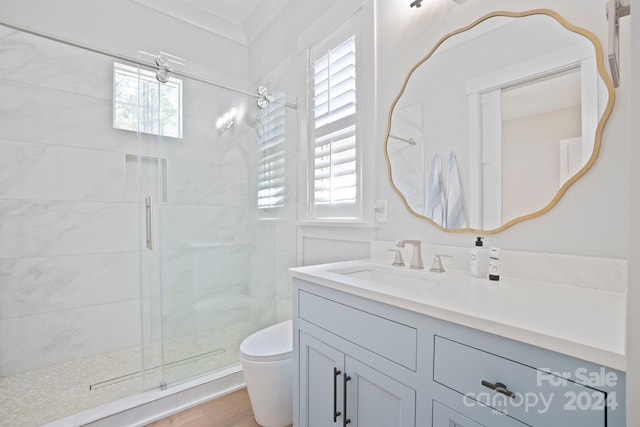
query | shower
(90,314)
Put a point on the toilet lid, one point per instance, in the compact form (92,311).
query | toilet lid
(269,344)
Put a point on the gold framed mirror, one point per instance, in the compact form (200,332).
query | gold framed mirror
(497,121)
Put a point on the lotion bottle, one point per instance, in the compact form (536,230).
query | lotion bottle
(494,266)
(479,259)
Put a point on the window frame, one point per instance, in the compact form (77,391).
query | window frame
(149,77)
(331,211)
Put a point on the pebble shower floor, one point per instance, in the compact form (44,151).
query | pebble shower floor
(45,395)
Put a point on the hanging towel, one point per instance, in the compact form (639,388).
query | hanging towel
(456,217)
(436,205)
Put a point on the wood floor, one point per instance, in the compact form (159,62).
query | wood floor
(232,410)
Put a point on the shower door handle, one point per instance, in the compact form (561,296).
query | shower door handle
(149,223)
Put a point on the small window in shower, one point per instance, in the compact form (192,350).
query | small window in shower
(141,103)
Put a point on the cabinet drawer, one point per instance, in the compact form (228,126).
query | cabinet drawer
(443,416)
(539,399)
(389,339)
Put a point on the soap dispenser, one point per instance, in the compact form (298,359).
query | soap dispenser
(479,259)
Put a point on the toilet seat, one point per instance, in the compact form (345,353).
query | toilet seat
(270,344)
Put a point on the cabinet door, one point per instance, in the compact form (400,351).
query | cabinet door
(321,376)
(376,400)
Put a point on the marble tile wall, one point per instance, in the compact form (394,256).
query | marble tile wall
(70,229)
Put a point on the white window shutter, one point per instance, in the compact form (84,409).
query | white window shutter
(271,170)
(335,158)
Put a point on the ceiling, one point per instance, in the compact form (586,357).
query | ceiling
(238,20)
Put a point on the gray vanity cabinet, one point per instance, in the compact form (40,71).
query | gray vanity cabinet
(372,399)
(377,400)
(337,388)
(321,390)
(389,367)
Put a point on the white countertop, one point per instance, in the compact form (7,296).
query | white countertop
(585,323)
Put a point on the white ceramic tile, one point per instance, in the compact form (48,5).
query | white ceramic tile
(184,314)
(262,274)
(44,284)
(37,228)
(203,143)
(286,232)
(204,269)
(199,183)
(186,225)
(263,236)
(39,61)
(284,261)
(144,176)
(62,118)
(50,172)
(40,340)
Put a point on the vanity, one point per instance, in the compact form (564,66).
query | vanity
(377,345)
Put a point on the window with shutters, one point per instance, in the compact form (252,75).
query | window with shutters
(270,125)
(335,160)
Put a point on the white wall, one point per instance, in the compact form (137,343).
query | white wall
(633,291)
(125,27)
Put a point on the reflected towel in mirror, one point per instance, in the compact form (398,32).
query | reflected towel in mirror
(436,204)
(456,217)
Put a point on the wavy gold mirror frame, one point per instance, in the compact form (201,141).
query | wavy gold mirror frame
(598,134)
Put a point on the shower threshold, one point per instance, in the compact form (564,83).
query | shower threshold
(155,369)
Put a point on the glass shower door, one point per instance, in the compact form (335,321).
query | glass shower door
(205,226)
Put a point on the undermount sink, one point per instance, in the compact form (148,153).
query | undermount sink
(389,275)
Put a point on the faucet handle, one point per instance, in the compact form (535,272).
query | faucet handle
(437,266)
(397,259)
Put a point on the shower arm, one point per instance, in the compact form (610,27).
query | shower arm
(119,57)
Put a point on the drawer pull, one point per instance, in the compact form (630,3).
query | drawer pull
(499,388)
(336,413)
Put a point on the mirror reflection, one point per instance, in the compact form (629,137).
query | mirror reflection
(497,121)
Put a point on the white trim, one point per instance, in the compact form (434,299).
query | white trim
(364,12)
(532,69)
(328,223)
(330,21)
(491,158)
(483,95)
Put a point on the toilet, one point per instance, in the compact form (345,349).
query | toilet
(267,362)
